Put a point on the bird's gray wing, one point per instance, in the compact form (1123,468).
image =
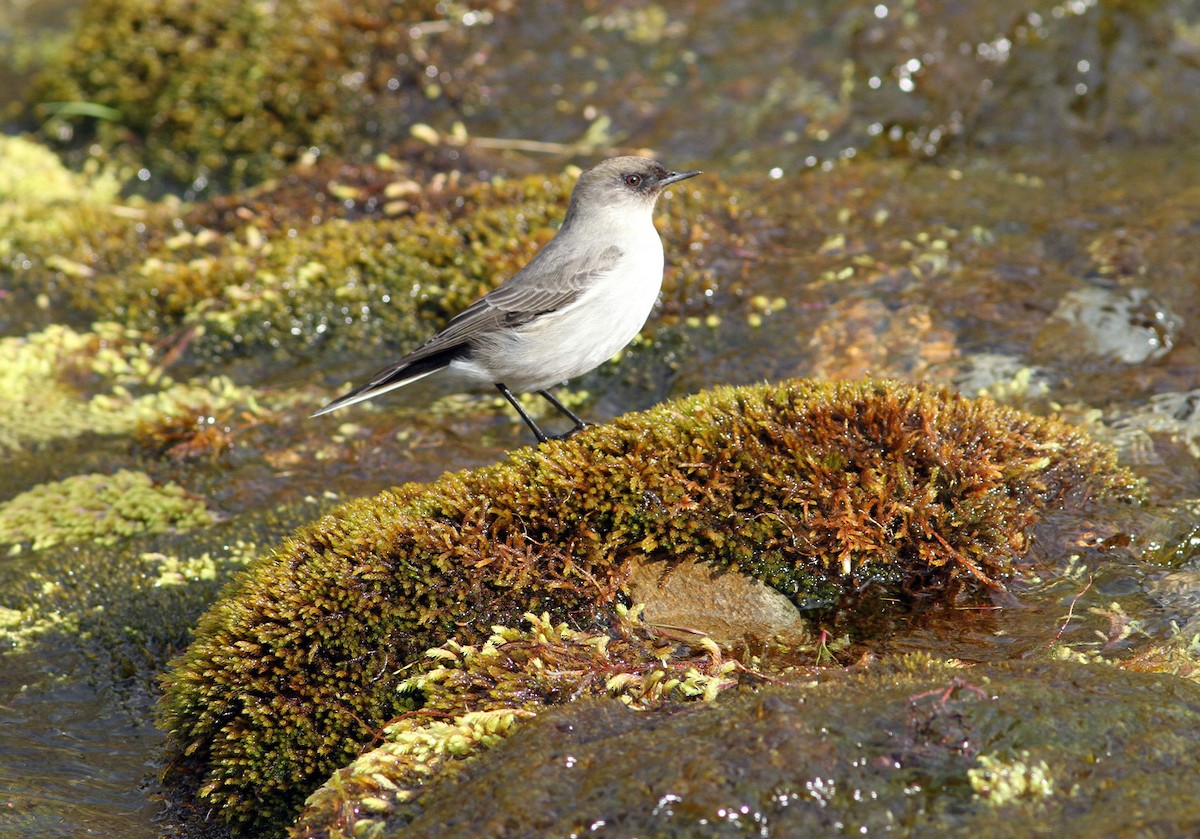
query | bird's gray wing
(543,286)
(551,281)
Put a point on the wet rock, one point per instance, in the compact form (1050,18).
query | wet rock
(855,499)
(727,607)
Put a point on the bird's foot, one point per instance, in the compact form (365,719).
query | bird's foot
(571,432)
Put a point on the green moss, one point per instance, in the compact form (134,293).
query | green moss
(344,284)
(236,91)
(127,606)
(32,176)
(475,696)
(855,496)
(98,508)
(48,212)
(121,610)
(1003,781)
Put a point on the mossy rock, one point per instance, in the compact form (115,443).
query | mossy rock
(233,91)
(277,286)
(846,496)
(475,696)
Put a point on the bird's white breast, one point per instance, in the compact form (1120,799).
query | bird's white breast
(594,327)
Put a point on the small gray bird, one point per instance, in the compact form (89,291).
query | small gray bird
(574,306)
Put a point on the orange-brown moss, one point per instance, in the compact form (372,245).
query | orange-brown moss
(825,491)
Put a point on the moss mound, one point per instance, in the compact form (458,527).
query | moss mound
(235,279)
(831,493)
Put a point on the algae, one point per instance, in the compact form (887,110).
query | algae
(33,177)
(121,610)
(52,214)
(857,498)
(63,383)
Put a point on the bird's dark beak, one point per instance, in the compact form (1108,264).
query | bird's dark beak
(674,177)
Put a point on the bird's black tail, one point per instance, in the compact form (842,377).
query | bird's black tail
(398,375)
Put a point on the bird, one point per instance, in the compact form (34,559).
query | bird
(576,304)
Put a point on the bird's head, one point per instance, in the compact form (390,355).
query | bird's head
(623,184)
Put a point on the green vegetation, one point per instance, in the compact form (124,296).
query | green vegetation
(236,91)
(281,273)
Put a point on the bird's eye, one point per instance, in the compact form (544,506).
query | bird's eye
(633,180)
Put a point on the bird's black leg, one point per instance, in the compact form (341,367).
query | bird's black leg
(579,423)
(512,400)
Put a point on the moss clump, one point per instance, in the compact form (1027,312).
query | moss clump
(474,696)
(234,91)
(32,176)
(829,492)
(274,283)
(343,284)
(53,215)
(98,508)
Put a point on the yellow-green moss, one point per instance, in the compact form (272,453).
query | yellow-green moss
(43,202)
(847,495)
(474,696)
(280,284)
(61,383)
(1002,781)
(109,594)
(98,508)
(32,176)
(345,283)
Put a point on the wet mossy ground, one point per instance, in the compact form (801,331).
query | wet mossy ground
(108,380)
(327,261)
(102,509)
(847,497)
(1061,138)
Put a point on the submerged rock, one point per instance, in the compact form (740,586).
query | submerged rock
(912,746)
(854,499)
